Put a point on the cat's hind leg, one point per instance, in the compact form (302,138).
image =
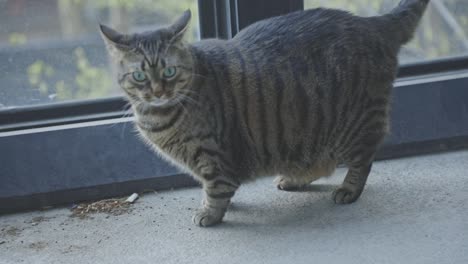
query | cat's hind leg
(359,161)
(353,184)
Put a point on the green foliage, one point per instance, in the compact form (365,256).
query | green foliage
(39,73)
(169,9)
(17,39)
(90,81)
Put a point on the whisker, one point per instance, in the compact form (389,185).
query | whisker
(181,104)
(189,99)
(192,95)
(127,112)
(195,94)
(199,75)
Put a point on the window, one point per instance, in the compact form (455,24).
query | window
(443,31)
(51,50)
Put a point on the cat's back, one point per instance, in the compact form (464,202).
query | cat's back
(312,40)
(313,29)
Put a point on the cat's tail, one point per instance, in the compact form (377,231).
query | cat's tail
(403,19)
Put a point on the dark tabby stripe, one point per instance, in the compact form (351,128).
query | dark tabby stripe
(355,135)
(346,134)
(122,78)
(220,113)
(210,176)
(210,152)
(261,110)
(200,137)
(245,98)
(364,152)
(243,87)
(335,85)
(361,71)
(220,195)
(279,89)
(319,124)
(176,139)
(300,70)
(225,75)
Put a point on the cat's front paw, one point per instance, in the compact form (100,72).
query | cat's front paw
(208,216)
(346,195)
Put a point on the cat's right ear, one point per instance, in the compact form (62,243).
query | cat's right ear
(117,44)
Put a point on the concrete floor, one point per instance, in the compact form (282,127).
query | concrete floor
(413,210)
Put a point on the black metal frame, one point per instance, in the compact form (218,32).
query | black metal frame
(213,19)
(433,66)
(62,113)
(218,19)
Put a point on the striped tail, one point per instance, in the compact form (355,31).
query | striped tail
(405,18)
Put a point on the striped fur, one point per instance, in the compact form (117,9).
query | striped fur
(292,95)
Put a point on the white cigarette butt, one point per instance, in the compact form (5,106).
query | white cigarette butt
(132,198)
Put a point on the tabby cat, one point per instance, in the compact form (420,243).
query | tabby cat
(292,95)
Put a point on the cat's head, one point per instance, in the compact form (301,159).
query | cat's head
(155,67)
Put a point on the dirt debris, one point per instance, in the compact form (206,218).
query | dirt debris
(10,231)
(108,206)
(38,245)
(73,248)
(37,220)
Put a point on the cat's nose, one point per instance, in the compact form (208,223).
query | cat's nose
(158,94)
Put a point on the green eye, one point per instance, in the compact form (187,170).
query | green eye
(139,76)
(169,72)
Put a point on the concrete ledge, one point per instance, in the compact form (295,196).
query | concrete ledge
(413,210)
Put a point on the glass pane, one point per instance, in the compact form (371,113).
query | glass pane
(51,50)
(442,33)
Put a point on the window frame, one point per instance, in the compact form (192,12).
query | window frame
(218,19)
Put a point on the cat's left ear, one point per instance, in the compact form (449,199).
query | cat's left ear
(180,26)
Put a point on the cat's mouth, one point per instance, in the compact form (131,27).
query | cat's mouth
(161,102)
(158,102)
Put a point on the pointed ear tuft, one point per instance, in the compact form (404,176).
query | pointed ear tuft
(180,26)
(116,43)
